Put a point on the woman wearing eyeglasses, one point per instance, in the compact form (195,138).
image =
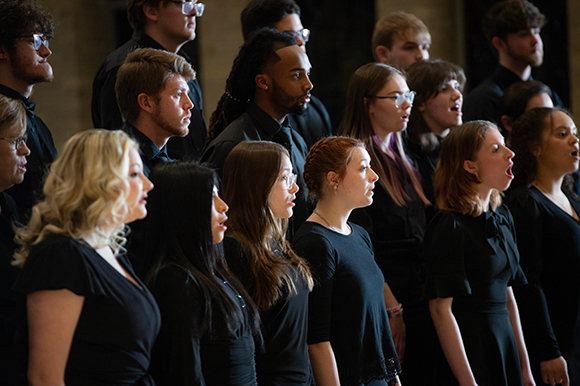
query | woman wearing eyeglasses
(13,153)
(260,188)
(378,109)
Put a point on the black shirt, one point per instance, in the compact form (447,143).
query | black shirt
(151,155)
(256,125)
(483,101)
(106,114)
(42,153)
(284,360)
(313,124)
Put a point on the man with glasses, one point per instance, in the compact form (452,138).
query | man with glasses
(284,16)
(25,31)
(160,24)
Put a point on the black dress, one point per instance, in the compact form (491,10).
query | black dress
(284,360)
(119,320)
(549,244)
(346,306)
(473,260)
(184,354)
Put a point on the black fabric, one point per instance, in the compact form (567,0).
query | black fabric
(346,306)
(118,323)
(483,101)
(105,110)
(284,360)
(397,236)
(313,124)
(256,125)
(13,344)
(42,153)
(549,245)
(186,355)
(151,155)
(474,260)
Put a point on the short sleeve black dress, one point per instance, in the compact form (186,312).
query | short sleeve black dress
(119,320)
(186,355)
(474,260)
(284,360)
(346,306)
(549,245)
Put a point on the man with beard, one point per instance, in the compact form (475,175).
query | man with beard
(268,81)
(512,28)
(164,25)
(152,88)
(25,30)
(284,16)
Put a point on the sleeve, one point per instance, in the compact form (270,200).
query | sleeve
(59,263)
(320,254)
(176,359)
(216,153)
(519,278)
(444,258)
(104,108)
(534,315)
(236,260)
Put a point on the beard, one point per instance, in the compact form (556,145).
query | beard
(285,101)
(174,130)
(24,70)
(534,60)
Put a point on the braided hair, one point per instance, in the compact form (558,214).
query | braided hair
(255,55)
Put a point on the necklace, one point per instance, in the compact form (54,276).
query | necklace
(328,224)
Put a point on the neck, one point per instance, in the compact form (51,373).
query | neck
(152,131)
(14,83)
(166,42)
(522,70)
(484,194)
(262,100)
(547,183)
(332,214)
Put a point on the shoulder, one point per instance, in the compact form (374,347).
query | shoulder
(311,235)
(524,198)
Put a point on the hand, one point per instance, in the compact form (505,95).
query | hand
(398,332)
(555,371)
(528,378)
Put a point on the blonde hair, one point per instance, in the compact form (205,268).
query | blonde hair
(397,24)
(85,189)
(11,113)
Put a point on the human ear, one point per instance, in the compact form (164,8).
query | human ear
(3,53)
(507,123)
(332,178)
(498,44)
(262,81)
(422,107)
(382,54)
(470,167)
(145,102)
(150,11)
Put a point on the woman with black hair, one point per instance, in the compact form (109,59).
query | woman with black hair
(208,319)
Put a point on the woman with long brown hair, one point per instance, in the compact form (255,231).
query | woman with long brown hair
(260,188)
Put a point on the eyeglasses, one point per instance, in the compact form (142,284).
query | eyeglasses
(304,34)
(16,142)
(399,98)
(38,41)
(188,6)
(289,179)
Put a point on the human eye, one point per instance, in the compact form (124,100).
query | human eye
(410,47)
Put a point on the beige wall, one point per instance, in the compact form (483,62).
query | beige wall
(85,35)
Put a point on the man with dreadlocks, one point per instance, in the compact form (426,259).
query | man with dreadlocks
(268,81)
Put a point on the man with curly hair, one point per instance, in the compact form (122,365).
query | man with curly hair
(25,31)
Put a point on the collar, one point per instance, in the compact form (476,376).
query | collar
(144,40)
(147,146)
(29,106)
(505,78)
(265,121)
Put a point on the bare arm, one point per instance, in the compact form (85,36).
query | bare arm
(323,364)
(451,341)
(52,319)
(517,327)
(396,323)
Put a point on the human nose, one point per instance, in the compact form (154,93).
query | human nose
(308,84)
(23,149)
(188,104)
(222,206)
(374,176)
(510,153)
(44,51)
(422,53)
(147,184)
(294,188)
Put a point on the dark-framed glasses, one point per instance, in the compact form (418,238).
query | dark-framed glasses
(16,141)
(289,180)
(399,98)
(304,34)
(188,6)
(38,40)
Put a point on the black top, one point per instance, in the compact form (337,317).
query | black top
(151,155)
(483,101)
(186,355)
(474,260)
(284,360)
(119,320)
(256,125)
(397,236)
(105,110)
(13,345)
(346,306)
(313,124)
(549,244)
(42,153)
